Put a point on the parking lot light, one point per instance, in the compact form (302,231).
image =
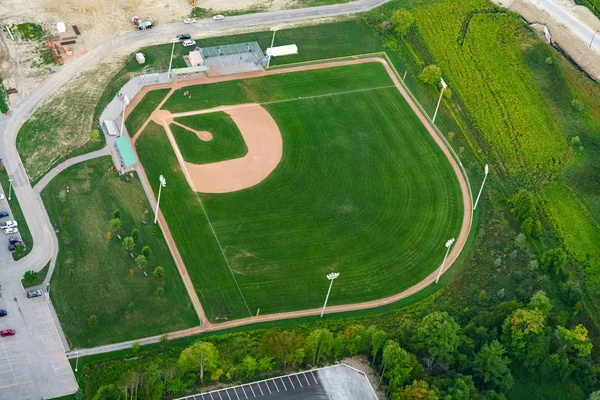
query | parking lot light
(163,183)
(449,244)
(10,181)
(331,277)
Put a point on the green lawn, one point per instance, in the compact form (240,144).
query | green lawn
(361,189)
(142,111)
(96,276)
(227,142)
(3,98)
(17,215)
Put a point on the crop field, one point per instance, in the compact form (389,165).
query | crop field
(95,274)
(481,61)
(361,189)
(227,142)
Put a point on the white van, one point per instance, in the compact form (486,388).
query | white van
(189,42)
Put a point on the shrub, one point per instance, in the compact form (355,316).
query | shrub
(146,251)
(159,272)
(431,74)
(135,234)
(577,105)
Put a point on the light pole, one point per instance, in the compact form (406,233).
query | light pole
(448,245)
(274,29)
(444,86)
(9,188)
(76,361)
(163,183)
(592,41)
(125,102)
(171,59)
(331,277)
(482,183)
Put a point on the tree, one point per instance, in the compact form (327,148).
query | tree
(576,339)
(29,277)
(164,339)
(19,249)
(378,340)
(356,339)
(595,395)
(266,364)
(128,243)
(523,205)
(141,261)
(397,365)
(159,272)
(319,344)
(95,136)
(402,21)
(146,251)
(437,337)
(92,319)
(115,224)
(431,74)
(553,260)
(520,328)
(108,392)
(249,366)
(539,301)
(280,345)
(418,390)
(200,357)
(116,213)
(491,366)
(135,234)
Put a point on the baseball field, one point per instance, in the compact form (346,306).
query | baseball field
(358,187)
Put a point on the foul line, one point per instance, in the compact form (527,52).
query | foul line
(329,94)
(223,253)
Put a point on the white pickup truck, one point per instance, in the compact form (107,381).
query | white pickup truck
(8,224)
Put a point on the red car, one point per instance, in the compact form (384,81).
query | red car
(7,332)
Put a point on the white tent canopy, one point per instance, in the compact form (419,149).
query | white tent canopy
(282,50)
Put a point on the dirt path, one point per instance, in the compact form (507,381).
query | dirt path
(461,239)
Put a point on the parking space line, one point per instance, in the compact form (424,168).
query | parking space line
(304,375)
(291,383)
(226,391)
(267,383)
(235,391)
(261,392)
(283,383)
(300,383)
(219,392)
(211,398)
(252,390)
(313,375)
(275,383)
(243,390)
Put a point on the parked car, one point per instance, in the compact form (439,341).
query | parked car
(184,36)
(8,332)
(12,247)
(15,240)
(4,214)
(8,224)
(10,231)
(1,196)
(189,21)
(34,293)
(218,17)
(3,313)
(189,42)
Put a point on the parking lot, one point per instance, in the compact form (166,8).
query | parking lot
(5,256)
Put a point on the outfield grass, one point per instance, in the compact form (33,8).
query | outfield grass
(17,215)
(96,276)
(361,189)
(227,142)
(280,87)
(142,111)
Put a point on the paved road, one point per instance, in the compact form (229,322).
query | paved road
(566,17)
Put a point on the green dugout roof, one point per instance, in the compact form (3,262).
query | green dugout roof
(189,70)
(126,151)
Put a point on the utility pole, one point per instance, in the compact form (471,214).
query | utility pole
(331,277)
(171,59)
(448,245)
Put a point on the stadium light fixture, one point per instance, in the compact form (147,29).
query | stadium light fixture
(449,244)
(273,29)
(163,183)
(125,103)
(10,181)
(487,170)
(444,86)
(332,276)
(171,59)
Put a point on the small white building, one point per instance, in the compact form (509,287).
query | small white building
(140,58)
(282,50)
(196,59)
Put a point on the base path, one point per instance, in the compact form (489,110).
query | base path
(461,239)
(262,137)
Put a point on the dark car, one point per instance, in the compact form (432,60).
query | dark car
(3,313)
(8,332)
(184,36)
(34,293)
(14,240)
(12,247)
(3,214)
